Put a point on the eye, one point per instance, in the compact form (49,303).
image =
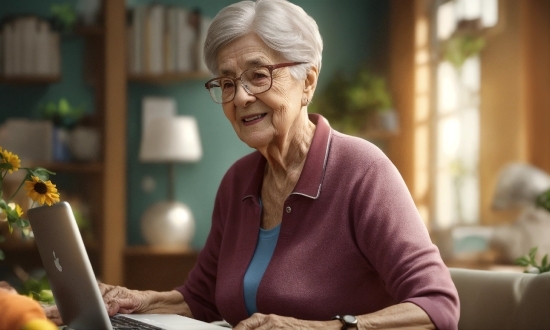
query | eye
(259,76)
(226,84)
(214,84)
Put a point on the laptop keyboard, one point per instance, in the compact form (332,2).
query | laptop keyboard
(120,322)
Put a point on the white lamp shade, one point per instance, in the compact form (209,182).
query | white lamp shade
(171,139)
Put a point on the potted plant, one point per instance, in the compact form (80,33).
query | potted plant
(64,117)
(354,105)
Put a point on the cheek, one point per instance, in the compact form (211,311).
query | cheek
(285,98)
(229,112)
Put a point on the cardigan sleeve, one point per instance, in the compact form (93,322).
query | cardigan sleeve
(393,237)
(200,288)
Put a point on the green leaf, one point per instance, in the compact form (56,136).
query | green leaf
(523,261)
(22,223)
(533,253)
(544,261)
(43,171)
(543,200)
(5,166)
(64,107)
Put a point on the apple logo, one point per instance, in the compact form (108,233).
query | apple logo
(56,262)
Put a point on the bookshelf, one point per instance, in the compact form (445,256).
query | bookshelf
(30,80)
(103,183)
(166,78)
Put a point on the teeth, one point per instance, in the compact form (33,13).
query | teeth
(253,118)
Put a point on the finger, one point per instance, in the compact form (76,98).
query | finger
(121,300)
(6,286)
(104,288)
(252,322)
(111,298)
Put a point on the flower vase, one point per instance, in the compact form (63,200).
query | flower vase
(60,144)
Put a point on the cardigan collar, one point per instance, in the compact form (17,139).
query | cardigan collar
(311,179)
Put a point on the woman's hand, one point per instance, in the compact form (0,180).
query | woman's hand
(263,322)
(6,286)
(122,300)
(52,313)
(118,299)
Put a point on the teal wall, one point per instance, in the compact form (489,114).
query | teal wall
(352,31)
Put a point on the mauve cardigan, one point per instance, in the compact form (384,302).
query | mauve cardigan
(351,241)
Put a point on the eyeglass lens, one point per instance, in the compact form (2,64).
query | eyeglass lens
(254,81)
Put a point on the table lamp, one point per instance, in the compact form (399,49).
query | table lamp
(171,140)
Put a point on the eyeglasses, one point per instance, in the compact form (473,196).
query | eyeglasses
(254,81)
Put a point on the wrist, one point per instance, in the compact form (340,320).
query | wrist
(162,302)
(347,321)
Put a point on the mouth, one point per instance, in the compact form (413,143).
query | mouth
(250,120)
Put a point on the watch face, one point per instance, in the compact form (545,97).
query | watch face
(349,319)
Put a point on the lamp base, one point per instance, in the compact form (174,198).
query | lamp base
(168,224)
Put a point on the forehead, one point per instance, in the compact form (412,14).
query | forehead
(245,52)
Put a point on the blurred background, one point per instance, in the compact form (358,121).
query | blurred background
(454,92)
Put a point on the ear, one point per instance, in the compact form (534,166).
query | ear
(310,83)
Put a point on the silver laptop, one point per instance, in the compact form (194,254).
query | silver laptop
(72,279)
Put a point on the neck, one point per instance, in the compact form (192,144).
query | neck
(288,154)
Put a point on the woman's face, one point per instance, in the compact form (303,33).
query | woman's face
(269,117)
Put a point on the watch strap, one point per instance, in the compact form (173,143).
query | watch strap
(346,324)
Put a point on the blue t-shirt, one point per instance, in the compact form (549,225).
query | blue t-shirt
(267,241)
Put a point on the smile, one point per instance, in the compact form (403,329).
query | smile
(251,119)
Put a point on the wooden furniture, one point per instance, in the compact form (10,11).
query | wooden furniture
(101,184)
(160,269)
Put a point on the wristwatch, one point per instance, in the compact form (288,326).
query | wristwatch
(348,321)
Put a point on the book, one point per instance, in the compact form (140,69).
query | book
(138,40)
(154,43)
(201,39)
(8,44)
(54,53)
(170,39)
(28,26)
(31,140)
(184,41)
(41,49)
(17,67)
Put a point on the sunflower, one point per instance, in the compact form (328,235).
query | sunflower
(10,158)
(17,209)
(41,192)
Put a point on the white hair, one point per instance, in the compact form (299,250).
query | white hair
(284,27)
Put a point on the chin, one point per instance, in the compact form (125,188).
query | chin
(255,142)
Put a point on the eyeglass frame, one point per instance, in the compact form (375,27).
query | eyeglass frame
(270,67)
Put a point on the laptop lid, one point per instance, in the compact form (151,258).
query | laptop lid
(71,276)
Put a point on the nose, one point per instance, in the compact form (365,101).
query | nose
(242,97)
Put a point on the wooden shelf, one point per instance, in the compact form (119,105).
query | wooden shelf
(89,31)
(175,263)
(103,183)
(24,253)
(156,250)
(30,80)
(167,78)
(71,167)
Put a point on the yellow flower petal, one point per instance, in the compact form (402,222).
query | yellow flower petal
(11,158)
(41,192)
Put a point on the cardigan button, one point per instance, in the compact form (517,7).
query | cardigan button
(288,209)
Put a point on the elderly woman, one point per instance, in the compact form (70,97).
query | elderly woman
(313,230)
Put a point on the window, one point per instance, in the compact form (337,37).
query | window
(457,39)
